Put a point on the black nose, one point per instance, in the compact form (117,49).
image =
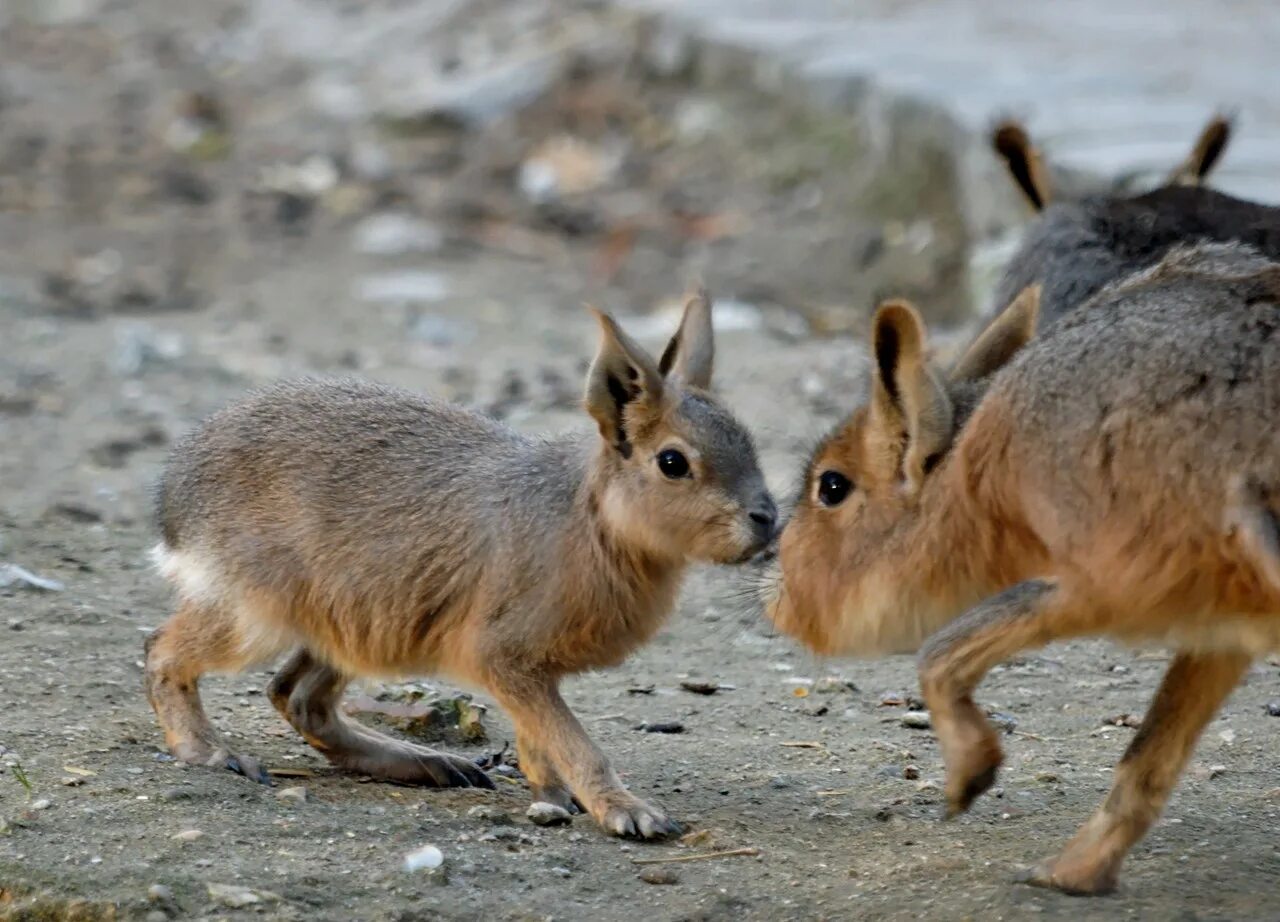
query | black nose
(765,517)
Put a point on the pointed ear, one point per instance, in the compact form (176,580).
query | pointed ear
(908,398)
(621,374)
(1028,170)
(1013,328)
(691,353)
(1204,156)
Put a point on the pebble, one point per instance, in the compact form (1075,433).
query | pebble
(666,726)
(43,803)
(296,794)
(181,792)
(234,897)
(394,234)
(187,835)
(541,813)
(159,893)
(489,814)
(1273,708)
(561,871)
(406,286)
(659,876)
(910,772)
(917,720)
(428,857)
(13,575)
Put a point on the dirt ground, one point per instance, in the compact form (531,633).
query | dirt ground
(148,275)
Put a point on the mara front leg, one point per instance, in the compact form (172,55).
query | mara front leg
(564,757)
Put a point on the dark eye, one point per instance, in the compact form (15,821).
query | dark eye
(673,464)
(833,487)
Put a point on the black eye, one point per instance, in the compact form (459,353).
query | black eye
(833,487)
(673,464)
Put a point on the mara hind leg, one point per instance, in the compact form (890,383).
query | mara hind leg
(1193,689)
(195,640)
(307,691)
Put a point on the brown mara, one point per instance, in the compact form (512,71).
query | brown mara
(369,531)
(1118,476)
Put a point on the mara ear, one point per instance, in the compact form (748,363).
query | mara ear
(908,399)
(1028,170)
(1013,328)
(621,374)
(692,351)
(1205,155)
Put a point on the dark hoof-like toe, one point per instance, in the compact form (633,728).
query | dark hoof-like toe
(250,768)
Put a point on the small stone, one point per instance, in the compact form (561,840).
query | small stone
(296,794)
(561,871)
(234,897)
(13,575)
(830,685)
(428,858)
(1273,708)
(489,814)
(542,813)
(187,835)
(910,772)
(700,688)
(43,803)
(659,876)
(159,893)
(181,792)
(667,726)
(917,720)
(394,234)
(1046,777)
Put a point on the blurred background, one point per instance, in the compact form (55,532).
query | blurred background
(201,196)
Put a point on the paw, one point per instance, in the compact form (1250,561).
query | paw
(629,816)
(442,770)
(1075,877)
(973,756)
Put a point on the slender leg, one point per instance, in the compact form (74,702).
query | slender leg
(955,659)
(543,719)
(192,642)
(306,691)
(1191,692)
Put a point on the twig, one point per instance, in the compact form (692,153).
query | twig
(803,744)
(705,856)
(1039,739)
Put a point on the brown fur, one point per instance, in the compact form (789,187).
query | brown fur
(375,532)
(1119,476)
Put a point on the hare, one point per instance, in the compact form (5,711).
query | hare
(1076,246)
(375,532)
(1118,476)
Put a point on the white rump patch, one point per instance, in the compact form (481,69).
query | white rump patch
(194,576)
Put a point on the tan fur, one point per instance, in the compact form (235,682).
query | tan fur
(375,532)
(1119,476)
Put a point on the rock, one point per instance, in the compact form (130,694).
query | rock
(140,347)
(159,893)
(313,177)
(910,772)
(489,814)
(14,576)
(700,688)
(666,726)
(296,794)
(566,166)
(428,858)
(181,792)
(830,685)
(541,813)
(43,803)
(1046,777)
(561,871)
(187,835)
(1273,708)
(234,897)
(409,286)
(917,720)
(659,876)
(441,331)
(393,234)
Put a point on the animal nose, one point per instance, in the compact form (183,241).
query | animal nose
(765,518)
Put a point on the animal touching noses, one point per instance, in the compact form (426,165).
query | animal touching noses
(765,519)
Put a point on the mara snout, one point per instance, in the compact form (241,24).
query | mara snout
(369,531)
(1118,476)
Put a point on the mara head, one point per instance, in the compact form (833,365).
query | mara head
(680,477)
(850,570)
(1031,173)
